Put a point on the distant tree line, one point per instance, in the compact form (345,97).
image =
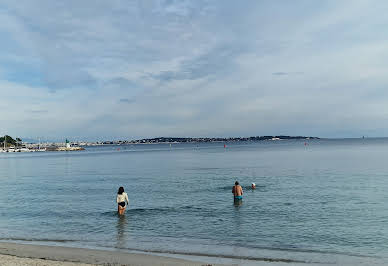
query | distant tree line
(9,141)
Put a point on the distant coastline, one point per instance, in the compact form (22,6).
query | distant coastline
(203,140)
(8,144)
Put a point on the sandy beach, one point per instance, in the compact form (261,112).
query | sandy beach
(9,260)
(12,254)
(20,254)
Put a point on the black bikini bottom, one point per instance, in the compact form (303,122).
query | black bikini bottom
(122,204)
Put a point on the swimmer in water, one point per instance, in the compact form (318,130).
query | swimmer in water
(121,199)
(253,186)
(237,192)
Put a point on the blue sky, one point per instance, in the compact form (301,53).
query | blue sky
(135,69)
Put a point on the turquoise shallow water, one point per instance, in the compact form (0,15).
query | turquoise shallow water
(321,202)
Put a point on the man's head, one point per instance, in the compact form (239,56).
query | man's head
(236,183)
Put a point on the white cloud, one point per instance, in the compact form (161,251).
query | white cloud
(192,68)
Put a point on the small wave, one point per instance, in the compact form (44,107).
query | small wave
(226,188)
(36,239)
(154,210)
(163,209)
(109,213)
(303,250)
(266,259)
(204,168)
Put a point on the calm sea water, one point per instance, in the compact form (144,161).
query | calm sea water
(323,202)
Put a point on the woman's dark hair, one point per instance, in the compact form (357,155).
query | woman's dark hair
(121,190)
(236,183)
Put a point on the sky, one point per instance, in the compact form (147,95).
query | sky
(100,70)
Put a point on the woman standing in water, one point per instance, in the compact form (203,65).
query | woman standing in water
(122,197)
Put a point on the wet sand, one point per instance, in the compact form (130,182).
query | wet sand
(12,254)
(21,254)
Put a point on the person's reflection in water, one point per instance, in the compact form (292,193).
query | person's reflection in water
(121,231)
(237,219)
(237,202)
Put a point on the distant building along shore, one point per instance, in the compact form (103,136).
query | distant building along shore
(8,144)
(200,140)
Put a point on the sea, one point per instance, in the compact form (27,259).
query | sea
(321,201)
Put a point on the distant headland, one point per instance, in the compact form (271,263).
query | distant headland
(9,144)
(200,140)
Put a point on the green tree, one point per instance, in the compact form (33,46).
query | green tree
(8,139)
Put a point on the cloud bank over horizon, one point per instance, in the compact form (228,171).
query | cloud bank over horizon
(138,69)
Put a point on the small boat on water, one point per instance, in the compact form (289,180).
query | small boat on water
(23,149)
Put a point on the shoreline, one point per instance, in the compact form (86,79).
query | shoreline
(32,254)
(16,254)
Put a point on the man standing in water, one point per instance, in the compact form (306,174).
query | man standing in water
(237,192)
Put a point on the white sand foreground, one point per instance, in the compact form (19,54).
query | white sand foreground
(35,255)
(9,260)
